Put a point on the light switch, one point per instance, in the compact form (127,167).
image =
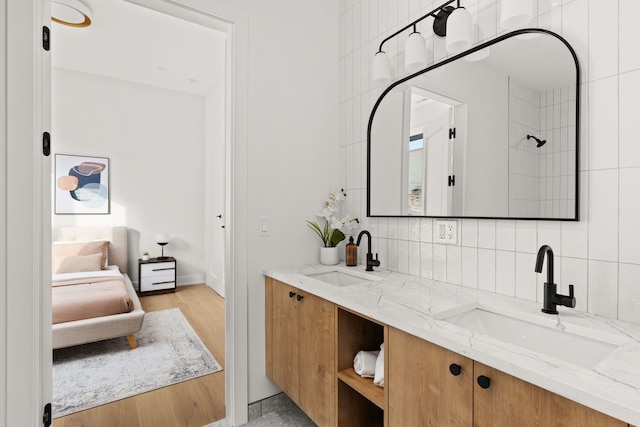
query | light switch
(263,226)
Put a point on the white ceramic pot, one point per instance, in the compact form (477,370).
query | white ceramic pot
(329,256)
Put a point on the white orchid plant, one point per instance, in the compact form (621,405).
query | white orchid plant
(331,233)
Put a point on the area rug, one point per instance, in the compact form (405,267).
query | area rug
(90,375)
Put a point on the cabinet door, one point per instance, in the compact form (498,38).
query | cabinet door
(282,337)
(422,390)
(317,360)
(509,401)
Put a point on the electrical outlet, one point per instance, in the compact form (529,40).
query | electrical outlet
(447,231)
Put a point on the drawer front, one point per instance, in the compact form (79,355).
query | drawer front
(157,269)
(157,283)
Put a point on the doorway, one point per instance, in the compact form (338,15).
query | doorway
(215,195)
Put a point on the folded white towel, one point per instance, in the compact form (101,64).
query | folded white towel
(378,378)
(365,363)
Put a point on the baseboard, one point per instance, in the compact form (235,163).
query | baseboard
(193,279)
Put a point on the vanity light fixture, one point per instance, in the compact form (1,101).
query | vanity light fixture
(72,13)
(515,13)
(457,31)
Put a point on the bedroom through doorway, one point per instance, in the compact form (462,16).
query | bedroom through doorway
(149,92)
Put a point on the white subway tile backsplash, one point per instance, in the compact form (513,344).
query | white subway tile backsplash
(525,276)
(487,270)
(469,276)
(426,260)
(596,254)
(603,216)
(506,273)
(487,234)
(506,235)
(603,288)
(454,264)
(440,262)
(629,227)
(629,305)
(469,233)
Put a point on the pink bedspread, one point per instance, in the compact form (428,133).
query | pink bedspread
(89,297)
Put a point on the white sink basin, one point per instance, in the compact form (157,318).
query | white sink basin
(580,346)
(340,278)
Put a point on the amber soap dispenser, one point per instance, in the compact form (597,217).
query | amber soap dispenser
(352,253)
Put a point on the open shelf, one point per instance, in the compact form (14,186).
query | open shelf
(360,402)
(364,386)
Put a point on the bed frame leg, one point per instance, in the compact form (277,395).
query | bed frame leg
(131,339)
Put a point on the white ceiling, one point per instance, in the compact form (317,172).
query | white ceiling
(129,42)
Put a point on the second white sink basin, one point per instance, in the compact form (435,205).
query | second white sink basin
(573,344)
(340,278)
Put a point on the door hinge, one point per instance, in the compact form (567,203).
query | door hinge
(46,39)
(46,144)
(46,418)
(452,180)
(452,133)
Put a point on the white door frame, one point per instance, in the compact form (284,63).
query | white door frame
(236,391)
(25,219)
(25,222)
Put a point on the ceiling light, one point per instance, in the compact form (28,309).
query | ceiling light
(415,52)
(72,13)
(458,30)
(515,13)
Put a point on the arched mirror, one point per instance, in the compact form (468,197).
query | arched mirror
(489,133)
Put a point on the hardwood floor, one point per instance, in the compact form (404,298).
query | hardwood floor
(192,403)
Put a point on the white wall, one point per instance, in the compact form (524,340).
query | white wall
(154,139)
(599,253)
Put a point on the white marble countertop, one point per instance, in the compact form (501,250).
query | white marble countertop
(412,304)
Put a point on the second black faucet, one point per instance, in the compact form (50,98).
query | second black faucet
(551,298)
(370,261)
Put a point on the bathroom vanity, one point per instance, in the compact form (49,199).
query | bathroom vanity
(440,370)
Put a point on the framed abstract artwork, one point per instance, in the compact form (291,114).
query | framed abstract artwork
(82,185)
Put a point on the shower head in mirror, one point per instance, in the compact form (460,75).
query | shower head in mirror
(540,142)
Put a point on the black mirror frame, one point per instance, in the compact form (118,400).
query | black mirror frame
(454,58)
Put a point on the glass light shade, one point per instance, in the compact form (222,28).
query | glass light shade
(459,35)
(162,238)
(515,13)
(415,52)
(381,69)
(478,36)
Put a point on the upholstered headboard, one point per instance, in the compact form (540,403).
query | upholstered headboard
(117,237)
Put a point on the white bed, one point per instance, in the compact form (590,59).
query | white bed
(76,332)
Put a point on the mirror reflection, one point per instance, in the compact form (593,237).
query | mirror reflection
(491,133)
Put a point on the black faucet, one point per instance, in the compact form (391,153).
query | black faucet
(551,298)
(370,261)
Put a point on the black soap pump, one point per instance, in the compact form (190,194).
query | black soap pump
(352,253)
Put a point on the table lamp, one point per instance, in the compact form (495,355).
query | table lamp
(162,239)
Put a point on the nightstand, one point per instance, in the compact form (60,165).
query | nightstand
(157,275)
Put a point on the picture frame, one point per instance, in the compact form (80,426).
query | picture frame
(81,185)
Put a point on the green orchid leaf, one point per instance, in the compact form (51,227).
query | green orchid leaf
(336,237)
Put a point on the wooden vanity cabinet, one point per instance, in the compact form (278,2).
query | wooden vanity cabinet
(300,349)
(424,388)
(509,398)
